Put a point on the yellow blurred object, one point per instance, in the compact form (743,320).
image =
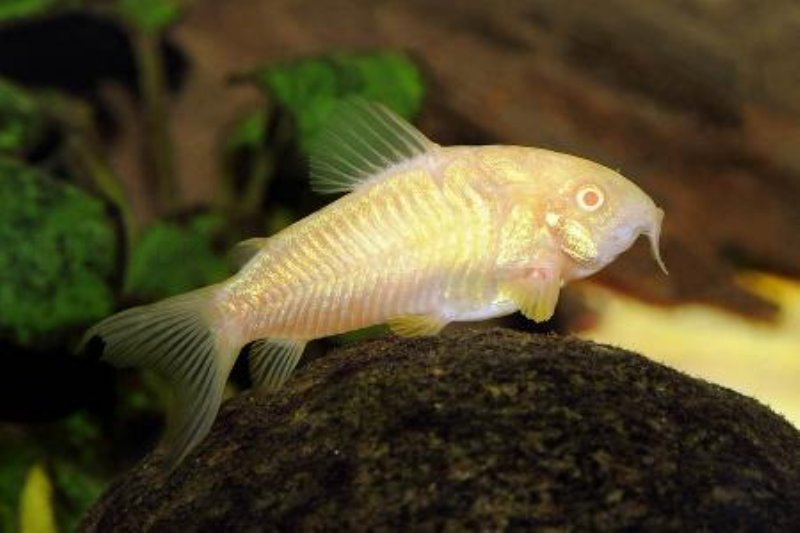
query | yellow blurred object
(758,359)
(36,503)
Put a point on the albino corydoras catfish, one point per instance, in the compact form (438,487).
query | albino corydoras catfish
(426,235)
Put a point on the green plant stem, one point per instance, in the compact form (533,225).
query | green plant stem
(260,176)
(106,181)
(263,169)
(157,137)
(85,155)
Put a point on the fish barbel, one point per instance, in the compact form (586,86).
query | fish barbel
(426,235)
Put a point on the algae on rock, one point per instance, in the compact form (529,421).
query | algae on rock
(478,429)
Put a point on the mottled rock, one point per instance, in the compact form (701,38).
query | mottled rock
(479,429)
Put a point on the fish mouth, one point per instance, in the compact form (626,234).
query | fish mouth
(653,232)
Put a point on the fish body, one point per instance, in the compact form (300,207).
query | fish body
(426,235)
(445,237)
(421,240)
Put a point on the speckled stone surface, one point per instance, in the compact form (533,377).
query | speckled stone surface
(479,429)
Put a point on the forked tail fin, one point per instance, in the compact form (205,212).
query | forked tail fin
(177,338)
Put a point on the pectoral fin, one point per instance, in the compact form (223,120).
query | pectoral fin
(536,294)
(417,325)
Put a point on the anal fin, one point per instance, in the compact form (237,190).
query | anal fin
(272,362)
(536,294)
(416,325)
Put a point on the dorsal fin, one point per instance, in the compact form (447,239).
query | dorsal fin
(244,251)
(361,140)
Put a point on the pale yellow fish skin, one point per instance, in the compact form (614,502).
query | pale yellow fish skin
(458,233)
(433,235)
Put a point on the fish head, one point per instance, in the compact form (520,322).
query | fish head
(596,214)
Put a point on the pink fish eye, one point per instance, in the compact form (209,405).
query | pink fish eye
(590,198)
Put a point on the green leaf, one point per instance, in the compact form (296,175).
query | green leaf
(151,15)
(310,88)
(17,9)
(171,258)
(57,255)
(21,120)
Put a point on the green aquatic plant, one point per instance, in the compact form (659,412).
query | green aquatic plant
(57,255)
(23,9)
(299,97)
(153,16)
(145,22)
(16,456)
(22,120)
(311,88)
(51,470)
(150,15)
(171,258)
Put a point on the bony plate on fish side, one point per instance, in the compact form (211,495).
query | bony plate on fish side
(476,429)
